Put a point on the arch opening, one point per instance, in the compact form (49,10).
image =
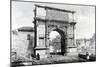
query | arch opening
(57,42)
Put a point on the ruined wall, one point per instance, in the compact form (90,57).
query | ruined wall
(20,43)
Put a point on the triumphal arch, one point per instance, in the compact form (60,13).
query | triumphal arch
(47,19)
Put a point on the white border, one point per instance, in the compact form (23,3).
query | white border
(5,33)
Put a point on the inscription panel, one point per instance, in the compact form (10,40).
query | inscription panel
(56,15)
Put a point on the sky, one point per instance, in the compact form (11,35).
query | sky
(53,35)
(23,15)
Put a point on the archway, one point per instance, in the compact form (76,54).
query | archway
(57,42)
(58,20)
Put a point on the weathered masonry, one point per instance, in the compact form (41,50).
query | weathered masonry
(49,19)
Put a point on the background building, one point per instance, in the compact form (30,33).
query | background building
(20,42)
(86,45)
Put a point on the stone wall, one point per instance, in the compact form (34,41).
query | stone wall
(20,44)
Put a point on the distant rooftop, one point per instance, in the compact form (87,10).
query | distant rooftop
(26,29)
